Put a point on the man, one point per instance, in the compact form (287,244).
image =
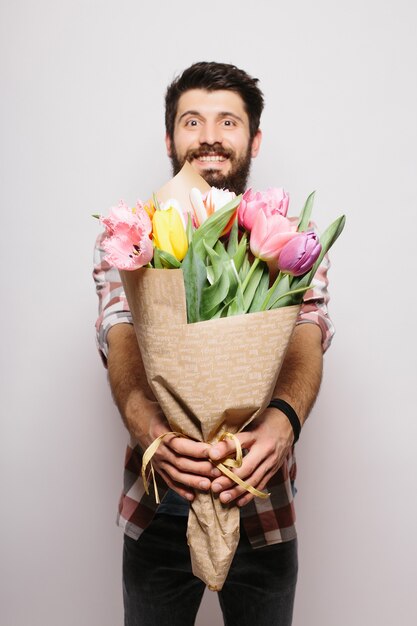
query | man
(212,120)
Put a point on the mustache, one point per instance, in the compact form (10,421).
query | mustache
(209,150)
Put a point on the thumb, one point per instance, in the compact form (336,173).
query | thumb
(227,446)
(222,449)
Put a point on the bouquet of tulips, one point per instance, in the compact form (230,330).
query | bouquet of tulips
(213,330)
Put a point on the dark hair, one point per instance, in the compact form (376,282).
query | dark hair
(214,76)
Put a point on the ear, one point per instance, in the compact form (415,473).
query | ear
(168,143)
(256,144)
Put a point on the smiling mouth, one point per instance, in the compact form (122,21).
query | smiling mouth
(211,158)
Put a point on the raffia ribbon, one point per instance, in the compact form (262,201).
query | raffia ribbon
(223,467)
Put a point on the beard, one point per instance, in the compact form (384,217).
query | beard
(235,180)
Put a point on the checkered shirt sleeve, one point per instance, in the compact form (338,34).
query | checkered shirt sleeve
(314,306)
(112,302)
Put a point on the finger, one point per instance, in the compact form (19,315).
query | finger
(187,447)
(256,480)
(221,484)
(187,465)
(224,484)
(246,498)
(250,463)
(222,449)
(183,463)
(186,480)
(188,494)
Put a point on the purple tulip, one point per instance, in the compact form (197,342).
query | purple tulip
(299,255)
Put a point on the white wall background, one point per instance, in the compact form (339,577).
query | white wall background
(82,117)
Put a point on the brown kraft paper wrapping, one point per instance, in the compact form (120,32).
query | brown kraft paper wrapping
(209,378)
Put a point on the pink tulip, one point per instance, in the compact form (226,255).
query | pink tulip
(272,201)
(129,249)
(299,255)
(128,243)
(277,200)
(269,235)
(122,218)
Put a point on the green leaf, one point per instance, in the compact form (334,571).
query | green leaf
(210,274)
(241,252)
(255,263)
(213,296)
(195,277)
(327,239)
(157,260)
(224,282)
(288,298)
(214,259)
(96,215)
(237,306)
(218,314)
(221,251)
(245,268)
(280,286)
(189,230)
(234,281)
(306,213)
(260,292)
(168,260)
(233,239)
(253,284)
(234,303)
(221,312)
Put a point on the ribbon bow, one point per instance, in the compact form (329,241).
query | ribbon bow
(222,466)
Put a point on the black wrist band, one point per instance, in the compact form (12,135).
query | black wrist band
(286,408)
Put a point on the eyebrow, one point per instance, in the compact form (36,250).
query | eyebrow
(221,114)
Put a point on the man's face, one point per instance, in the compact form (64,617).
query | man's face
(211,131)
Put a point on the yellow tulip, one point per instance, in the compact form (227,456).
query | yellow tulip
(169,233)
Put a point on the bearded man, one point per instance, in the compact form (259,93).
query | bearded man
(212,121)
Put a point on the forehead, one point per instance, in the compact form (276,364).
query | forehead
(211,103)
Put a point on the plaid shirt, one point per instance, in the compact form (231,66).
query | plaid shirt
(266,521)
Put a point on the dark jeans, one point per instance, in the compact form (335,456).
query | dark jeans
(159,588)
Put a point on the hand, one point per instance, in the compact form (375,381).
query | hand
(182,463)
(268,440)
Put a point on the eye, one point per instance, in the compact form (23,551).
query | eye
(228,123)
(193,123)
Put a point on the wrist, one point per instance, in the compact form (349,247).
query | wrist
(144,419)
(284,407)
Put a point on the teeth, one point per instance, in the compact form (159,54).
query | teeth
(212,158)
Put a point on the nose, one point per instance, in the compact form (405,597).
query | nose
(210,133)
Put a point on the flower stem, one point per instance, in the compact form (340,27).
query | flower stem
(249,274)
(290,293)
